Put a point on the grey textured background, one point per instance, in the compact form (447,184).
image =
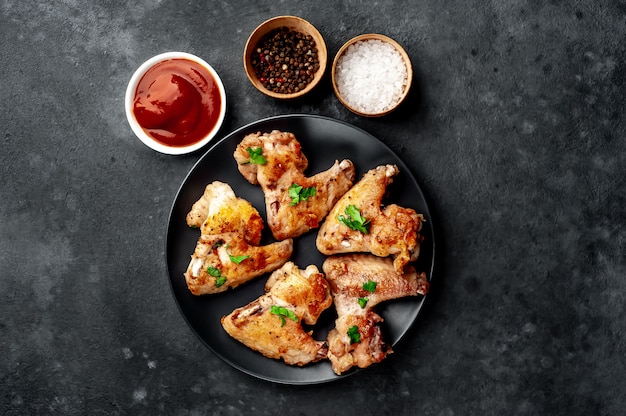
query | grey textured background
(515,128)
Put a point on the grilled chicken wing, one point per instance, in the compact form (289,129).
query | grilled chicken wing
(354,302)
(393,230)
(277,333)
(226,260)
(227,253)
(219,210)
(284,166)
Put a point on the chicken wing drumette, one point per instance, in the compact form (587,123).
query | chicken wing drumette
(294,202)
(219,210)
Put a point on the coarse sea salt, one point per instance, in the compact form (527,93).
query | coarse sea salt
(371,76)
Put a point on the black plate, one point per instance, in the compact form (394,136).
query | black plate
(323,141)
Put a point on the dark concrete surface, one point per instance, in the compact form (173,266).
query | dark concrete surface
(515,129)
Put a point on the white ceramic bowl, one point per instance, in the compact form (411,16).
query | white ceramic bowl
(139,131)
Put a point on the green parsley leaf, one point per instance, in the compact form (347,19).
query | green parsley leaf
(298,194)
(215,272)
(353,333)
(237,259)
(256,156)
(370,286)
(283,313)
(354,220)
(362,302)
(294,193)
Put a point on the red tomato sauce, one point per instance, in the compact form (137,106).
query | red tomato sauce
(177,102)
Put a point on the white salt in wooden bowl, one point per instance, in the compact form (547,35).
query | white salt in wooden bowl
(371,75)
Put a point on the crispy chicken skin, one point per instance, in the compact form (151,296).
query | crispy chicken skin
(347,274)
(219,210)
(305,293)
(211,262)
(393,230)
(284,167)
(227,253)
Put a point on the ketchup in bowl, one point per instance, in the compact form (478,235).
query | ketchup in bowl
(177,101)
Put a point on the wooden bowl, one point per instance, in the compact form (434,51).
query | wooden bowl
(292,23)
(374,86)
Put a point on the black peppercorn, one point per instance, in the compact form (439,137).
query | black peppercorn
(285,60)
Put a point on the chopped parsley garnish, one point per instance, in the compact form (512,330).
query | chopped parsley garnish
(370,286)
(353,333)
(237,259)
(298,194)
(354,219)
(256,156)
(215,272)
(363,302)
(283,313)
